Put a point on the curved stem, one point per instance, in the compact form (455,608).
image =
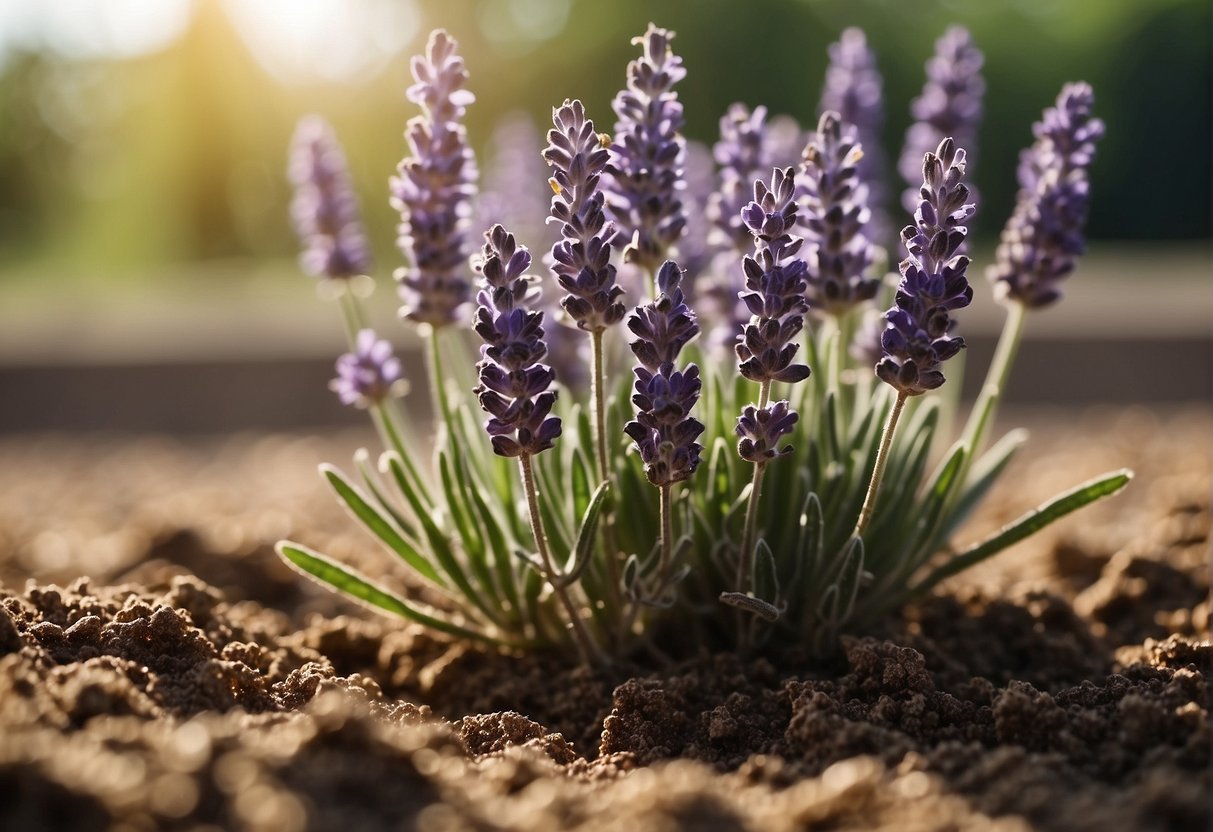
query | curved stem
(437,385)
(986,406)
(882,459)
(351,314)
(586,647)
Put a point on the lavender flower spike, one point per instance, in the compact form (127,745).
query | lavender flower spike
(434,188)
(916,339)
(1044,235)
(581,260)
(664,430)
(775,285)
(950,105)
(369,374)
(835,215)
(514,386)
(325,209)
(647,157)
(854,89)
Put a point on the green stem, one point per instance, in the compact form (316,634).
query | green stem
(667,536)
(609,545)
(437,380)
(351,314)
(986,406)
(882,459)
(586,647)
(749,533)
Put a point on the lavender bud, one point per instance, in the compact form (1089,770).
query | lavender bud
(367,375)
(325,209)
(775,284)
(916,338)
(434,188)
(761,429)
(950,105)
(664,430)
(854,89)
(1044,234)
(646,175)
(834,214)
(581,260)
(514,386)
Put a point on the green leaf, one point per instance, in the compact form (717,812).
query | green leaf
(350,583)
(580,556)
(1027,525)
(809,543)
(765,578)
(932,508)
(379,524)
(750,604)
(371,481)
(501,546)
(982,477)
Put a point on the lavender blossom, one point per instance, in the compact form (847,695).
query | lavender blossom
(434,188)
(775,285)
(514,386)
(835,214)
(581,260)
(646,175)
(854,89)
(664,430)
(950,105)
(916,338)
(761,429)
(325,209)
(366,376)
(1044,234)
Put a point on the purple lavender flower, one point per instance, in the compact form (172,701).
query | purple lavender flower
(761,429)
(367,375)
(664,430)
(514,386)
(775,285)
(581,260)
(434,188)
(325,209)
(647,156)
(1044,234)
(854,89)
(834,214)
(950,105)
(916,338)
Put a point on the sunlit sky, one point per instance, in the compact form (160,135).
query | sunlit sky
(355,36)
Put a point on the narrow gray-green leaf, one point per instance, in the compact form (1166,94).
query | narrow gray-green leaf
(580,556)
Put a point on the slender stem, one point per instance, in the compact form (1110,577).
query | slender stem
(984,409)
(607,523)
(882,458)
(667,536)
(586,647)
(437,380)
(749,533)
(351,313)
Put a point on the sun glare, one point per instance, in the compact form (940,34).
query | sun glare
(91,29)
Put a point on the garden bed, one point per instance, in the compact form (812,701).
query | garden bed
(160,667)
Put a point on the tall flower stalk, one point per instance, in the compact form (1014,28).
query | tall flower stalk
(433,190)
(1043,238)
(766,350)
(917,338)
(664,430)
(854,90)
(646,176)
(950,106)
(515,390)
(326,218)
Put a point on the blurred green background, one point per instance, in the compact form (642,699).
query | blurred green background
(142,139)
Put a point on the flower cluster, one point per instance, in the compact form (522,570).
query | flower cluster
(760,430)
(834,215)
(434,187)
(1044,234)
(950,105)
(367,375)
(854,89)
(775,284)
(647,157)
(581,260)
(514,386)
(325,209)
(916,338)
(664,430)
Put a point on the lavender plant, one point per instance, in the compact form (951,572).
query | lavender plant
(805,500)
